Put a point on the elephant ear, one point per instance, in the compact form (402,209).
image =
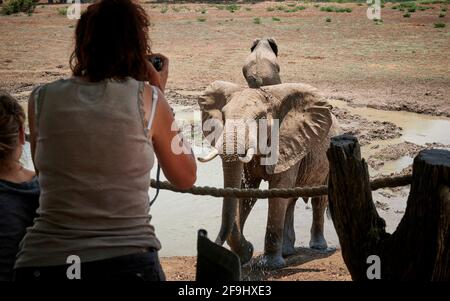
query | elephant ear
(213,99)
(254,44)
(304,121)
(273,45)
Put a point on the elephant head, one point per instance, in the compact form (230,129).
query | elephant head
(304,122)
(261,67)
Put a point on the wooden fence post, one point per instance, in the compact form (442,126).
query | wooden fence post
(419,249)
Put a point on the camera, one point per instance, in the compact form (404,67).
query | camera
(157,62)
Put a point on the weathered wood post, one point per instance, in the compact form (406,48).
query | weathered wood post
(419,249)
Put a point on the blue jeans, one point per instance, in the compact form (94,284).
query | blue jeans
(134,267)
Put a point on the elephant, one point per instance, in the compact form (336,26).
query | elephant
(306,125)
(261,67)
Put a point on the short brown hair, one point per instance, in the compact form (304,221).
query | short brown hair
(111,41)
(12,117)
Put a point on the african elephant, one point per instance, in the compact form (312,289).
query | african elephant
(305,127)
(261,67)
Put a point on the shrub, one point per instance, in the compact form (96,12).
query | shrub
(16,6)
(232,7)
(328,20)
(257,20)
(411,10)
(275,19)
(407,15)
(336,9)
(201,19)
(439,25)
(62,11)
(441,15)
(164,9)
(294,9)
(270,8)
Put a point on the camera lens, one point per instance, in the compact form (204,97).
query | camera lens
(157,62)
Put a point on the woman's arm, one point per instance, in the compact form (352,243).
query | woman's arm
(32,126)
(174,154)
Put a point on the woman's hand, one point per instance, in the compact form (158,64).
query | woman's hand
(156,78)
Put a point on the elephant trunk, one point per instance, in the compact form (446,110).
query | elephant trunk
(232,175)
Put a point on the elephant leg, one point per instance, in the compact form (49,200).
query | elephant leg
(289,233)
(318,241)
(276,220)
(237,240)
(272,258)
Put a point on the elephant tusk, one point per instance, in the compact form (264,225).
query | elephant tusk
(209,156)
(249,156)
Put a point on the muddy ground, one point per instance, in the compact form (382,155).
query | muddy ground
(398,64)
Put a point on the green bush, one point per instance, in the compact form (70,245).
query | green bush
(335,9)
(407,15)
(232,7)
(295,9)
(441,15)
(328,20)
(16,6)
(275,19)
(257,20)
(201,19)
(439,25)
(62,10)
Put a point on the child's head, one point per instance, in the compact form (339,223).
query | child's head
(12,118)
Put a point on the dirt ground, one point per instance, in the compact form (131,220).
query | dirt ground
(398,64)
(305,265)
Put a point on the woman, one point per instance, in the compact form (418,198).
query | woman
(93,137)
(19,189)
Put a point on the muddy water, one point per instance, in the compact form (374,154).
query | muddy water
(177,217)
(416,128)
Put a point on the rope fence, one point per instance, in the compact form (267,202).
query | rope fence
(305,192)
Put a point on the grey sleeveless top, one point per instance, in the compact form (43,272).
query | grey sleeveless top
(94,162)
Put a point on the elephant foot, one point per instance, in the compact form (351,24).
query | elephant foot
(271,262)
(288,250)
(245,252)
(318,243)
